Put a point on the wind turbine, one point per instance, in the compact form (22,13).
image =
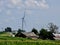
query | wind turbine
(23,20)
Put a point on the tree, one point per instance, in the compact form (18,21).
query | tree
(53,28)
(8,29)
(35,31)
(19,30)
(50,35)
(43,34)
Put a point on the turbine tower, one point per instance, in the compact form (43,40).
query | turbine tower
(23,20)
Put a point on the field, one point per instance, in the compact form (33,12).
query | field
(6,40)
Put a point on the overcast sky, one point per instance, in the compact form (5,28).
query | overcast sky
(38,13)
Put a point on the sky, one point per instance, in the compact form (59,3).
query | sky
(38,13)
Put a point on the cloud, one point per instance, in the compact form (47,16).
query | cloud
(24,3)
(43,4)
(16,3)
(29,3)
(6,5)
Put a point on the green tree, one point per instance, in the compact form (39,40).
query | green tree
(35,31)
(19,30)
(53,28)
(43,33)
(50,35)
(8,29)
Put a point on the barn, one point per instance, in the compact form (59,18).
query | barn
(31,35)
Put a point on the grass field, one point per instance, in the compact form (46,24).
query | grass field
(25,41)
(6,40)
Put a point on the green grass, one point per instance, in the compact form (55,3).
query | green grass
(4,34)
(25,41)
(6,40)
(16,42)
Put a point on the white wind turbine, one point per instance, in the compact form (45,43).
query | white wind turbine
(23,19)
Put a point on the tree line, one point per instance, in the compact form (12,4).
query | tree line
(43,33)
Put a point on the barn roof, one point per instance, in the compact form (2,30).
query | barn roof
(28,34)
